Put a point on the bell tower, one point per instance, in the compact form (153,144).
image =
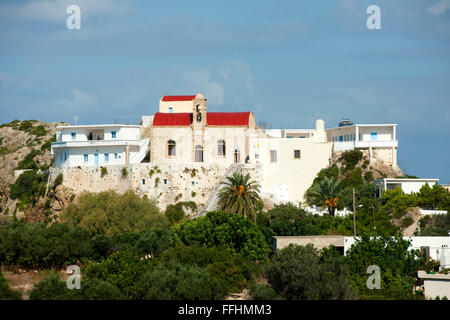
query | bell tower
(198,127)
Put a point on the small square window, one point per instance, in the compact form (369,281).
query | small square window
(193,183)
(113,134)
(73,135)
(143,181)
(86,158)
(115,155)
(296,154)
(170,109)
(106,157)
(165,181)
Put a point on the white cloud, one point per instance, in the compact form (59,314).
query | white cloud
(55,11)
(439,7)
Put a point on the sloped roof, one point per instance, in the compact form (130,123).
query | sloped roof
(212,118)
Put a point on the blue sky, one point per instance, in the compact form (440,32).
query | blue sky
(287,61)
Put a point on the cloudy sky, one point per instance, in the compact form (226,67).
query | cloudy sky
(288,61)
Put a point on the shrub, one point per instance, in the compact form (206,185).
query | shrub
(5,292)
(109,212)
(104,171)
(33,245)
(368,176)
(28,162)
(351,158)
(298,272)
(228,272)
(96,289)
(124,173)
(263,292)
(29,185)
(234,232)
(51,288)
(121,269)
(180,282)
(174,213)
(59,179)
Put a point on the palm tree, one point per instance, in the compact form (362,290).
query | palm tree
(325,193)
(239,195)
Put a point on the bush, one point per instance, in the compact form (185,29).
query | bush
(228,272)
(220,229)
(124,173)
(33,245)
(51,288)
(28,186)
(351,158)
(121,269)
(298,272)
(180,282)
(104,172)
(28,162)
(5,292)
(59,179)
(398,266)
(174,213)
(263,292)
(109,212)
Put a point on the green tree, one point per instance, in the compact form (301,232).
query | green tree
(239,195)
(180,282)
(109,212)
(397,262)
(303,273)
(221,229)
(325,193)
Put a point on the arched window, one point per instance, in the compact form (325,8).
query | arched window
(237,155)
(171,148)
(198,153)
(221,147)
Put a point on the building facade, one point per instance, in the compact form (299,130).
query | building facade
(98,145)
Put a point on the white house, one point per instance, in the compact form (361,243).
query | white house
(379,138)
(94,145)
(406,184)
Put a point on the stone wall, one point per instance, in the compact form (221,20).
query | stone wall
(167,183)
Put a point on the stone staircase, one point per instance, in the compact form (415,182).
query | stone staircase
(211,203)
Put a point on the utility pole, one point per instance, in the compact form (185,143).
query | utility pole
(354,213)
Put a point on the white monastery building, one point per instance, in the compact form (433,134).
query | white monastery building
(183,131)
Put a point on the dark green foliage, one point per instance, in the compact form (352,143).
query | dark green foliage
(368,176)
(174,213)
(228,272)
(104,171)
(28,186)
(298,272)
(263,292)
(180,282)
(5,292)
(121,269)
(124,173)
(397,263)
(96,289)
(33,245)
(47,145)
(234,232)
(109,212)
(51,288)
(58,180)
(436,225)
(351,158)
(28,162)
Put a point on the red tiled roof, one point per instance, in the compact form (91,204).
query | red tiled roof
(228,118)
(172,119)
(178,98)
(213,119)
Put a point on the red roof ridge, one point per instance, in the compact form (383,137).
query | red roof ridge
(178,98)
